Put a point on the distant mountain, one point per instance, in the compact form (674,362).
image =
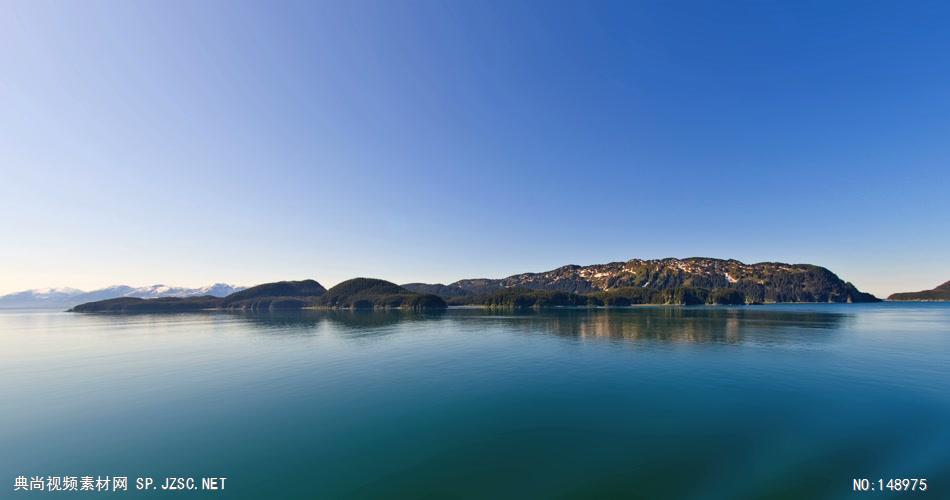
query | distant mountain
(941,293)
(694,278)
(44,297)
(438,289)
(68,297)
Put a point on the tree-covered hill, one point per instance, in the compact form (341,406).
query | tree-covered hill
(366,293)
(939,294)
(163,304)
(278,295)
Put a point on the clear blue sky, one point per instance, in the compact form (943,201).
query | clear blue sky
(192,142)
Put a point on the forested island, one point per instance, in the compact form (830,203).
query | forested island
(939,294)
(357,293)
(692,281)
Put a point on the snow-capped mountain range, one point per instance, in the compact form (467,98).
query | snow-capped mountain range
(69,297)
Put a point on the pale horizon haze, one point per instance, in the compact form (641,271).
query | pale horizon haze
(188,143)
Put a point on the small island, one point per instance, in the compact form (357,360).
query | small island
(939,294)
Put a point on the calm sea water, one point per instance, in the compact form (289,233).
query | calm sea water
(660,402)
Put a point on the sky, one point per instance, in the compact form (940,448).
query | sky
(188,143)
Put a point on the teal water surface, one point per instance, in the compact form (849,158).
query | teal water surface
(785,401)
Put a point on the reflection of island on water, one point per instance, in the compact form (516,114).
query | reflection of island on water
(677,324)
(349,319)
(669,324)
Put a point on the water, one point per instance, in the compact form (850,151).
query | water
(659,402)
